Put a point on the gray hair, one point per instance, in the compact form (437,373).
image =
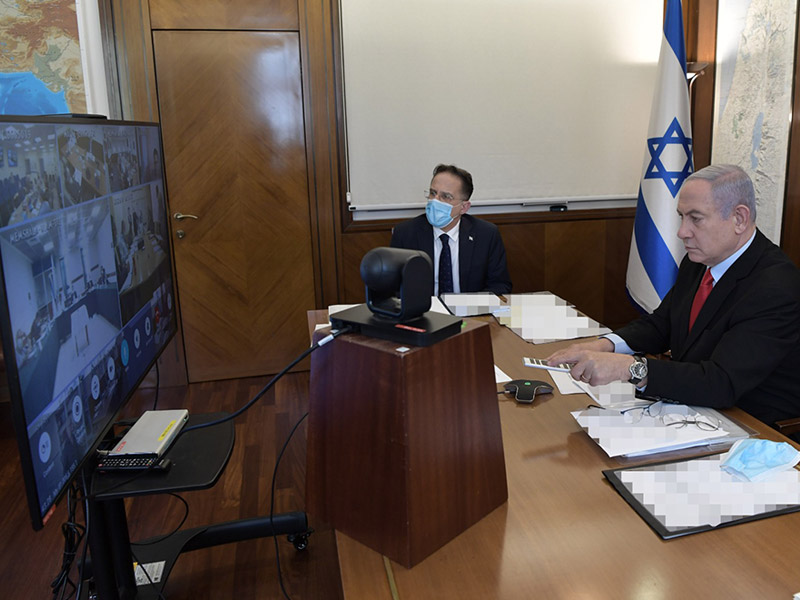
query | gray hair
(730,186)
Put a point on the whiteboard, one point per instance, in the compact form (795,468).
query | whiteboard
(541,100)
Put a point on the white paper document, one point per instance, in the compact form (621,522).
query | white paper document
(471,305)
(698,492)
(334,308)
(630,431)
(544,317)
(610,394)
(438,307)
(499,376)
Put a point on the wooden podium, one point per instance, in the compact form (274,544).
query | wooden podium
(404,445)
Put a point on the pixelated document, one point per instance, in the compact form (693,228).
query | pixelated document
(472,305)
(681,497)
(544,317)
(610,394)
(617,436)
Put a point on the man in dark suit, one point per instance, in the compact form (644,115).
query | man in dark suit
(474,258)
(741,345)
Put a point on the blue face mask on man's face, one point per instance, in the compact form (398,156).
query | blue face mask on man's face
(438,213)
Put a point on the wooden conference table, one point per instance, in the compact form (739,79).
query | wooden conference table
(566,533)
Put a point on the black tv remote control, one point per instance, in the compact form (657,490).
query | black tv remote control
(107,464)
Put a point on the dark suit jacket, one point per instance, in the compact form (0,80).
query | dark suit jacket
(744,348)
(481,254)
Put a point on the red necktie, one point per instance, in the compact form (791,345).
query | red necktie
(706,285)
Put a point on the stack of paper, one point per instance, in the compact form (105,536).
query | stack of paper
(619,433)
(687,496)
(541,318)
(471,305)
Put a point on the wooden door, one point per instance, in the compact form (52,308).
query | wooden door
(232,117)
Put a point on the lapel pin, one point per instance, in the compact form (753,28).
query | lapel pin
(470,239)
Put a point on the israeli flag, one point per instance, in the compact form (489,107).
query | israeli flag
(656,250)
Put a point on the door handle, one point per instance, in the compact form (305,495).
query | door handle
(180,216)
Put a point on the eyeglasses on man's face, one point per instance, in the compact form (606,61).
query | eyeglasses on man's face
(431,193)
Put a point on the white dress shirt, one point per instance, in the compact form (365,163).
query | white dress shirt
(437,252)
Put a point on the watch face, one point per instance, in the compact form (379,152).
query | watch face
(638,370)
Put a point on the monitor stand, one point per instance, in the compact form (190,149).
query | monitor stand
(198,459)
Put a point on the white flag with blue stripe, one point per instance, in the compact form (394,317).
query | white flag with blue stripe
(656,250)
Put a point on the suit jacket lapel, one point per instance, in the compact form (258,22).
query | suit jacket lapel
(465,247)
(425,238)
(722,289)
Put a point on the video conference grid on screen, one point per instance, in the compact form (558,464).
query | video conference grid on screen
(87,278)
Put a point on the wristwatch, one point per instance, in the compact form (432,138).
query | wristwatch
(638,370)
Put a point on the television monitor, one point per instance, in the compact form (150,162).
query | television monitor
(86,284)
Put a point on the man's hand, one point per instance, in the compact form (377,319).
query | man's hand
(598,345)
(594,362)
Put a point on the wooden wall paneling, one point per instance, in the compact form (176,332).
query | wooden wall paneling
(110,59)
(790,228)
(232,117)
(575,263)
(224,14)
(319,42)
(355,244)
(618,310)
(525,251)
(701,43)
(135,67)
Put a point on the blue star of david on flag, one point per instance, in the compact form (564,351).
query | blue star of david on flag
(656,250)
(656,169)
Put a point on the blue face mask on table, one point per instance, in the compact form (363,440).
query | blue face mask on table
(756,460)
(438,213)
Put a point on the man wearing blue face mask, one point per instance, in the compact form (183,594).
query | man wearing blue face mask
(467,253)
